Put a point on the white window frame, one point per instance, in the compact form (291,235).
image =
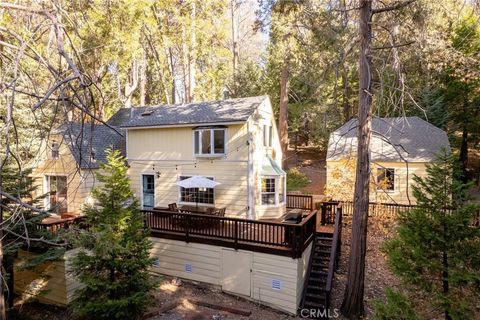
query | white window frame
(154,188)
(267,135)
(277,203)
(195,203)
(379,188)
(46,188)
(212,142)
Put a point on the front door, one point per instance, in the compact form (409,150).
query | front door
(57,193)
(148,193)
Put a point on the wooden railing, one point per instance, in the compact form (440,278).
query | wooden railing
(389,210)
(269,237)
(63,224)
(334,254)
(299,201)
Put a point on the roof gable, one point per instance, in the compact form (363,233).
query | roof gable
(221,111)
(393,139)
(88,143)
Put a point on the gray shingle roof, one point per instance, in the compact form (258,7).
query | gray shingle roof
(88,143)
(230,110)
(393,139)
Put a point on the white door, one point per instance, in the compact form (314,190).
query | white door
(236,272)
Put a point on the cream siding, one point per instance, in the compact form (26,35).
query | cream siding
(404,174)
(206,266)
(50,282)
(264,116)
(79,181)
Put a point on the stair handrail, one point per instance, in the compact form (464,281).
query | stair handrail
(307,274)
(334,253)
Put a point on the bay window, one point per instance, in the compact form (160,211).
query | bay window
(209,142)
(273,190)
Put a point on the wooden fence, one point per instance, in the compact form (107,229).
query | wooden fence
(262,236)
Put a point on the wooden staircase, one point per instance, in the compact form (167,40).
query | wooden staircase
(315,295)
(321,267)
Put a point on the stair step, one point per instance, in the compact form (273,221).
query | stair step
(313,305)
(322,251)
(316,295)
(319,272)
(309,286)
(324,239)
(323,264)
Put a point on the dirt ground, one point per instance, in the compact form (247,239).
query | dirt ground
(311,162)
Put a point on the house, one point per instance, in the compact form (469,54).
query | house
(400,149)
(65,165)
(234,142)
(254,251)
(250,251)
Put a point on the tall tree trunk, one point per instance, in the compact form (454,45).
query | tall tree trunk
(464,152)
(143,77)
(283,119)
(352,306)
(172,72)
(192,58)
(346,107)
(233,5)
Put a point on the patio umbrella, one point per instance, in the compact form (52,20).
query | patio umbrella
(197,182)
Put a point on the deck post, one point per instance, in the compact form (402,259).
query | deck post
(187,227)
(235,234)
(324,214)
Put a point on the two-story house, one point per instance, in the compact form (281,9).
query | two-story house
(234,142)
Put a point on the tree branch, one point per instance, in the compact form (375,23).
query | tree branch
(394,7)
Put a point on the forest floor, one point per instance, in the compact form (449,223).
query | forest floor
(311,162)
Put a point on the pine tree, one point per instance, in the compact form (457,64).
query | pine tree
(436,251)
(114,257)
(20,228)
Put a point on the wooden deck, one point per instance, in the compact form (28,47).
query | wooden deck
(275,237)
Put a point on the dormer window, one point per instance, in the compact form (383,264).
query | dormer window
(209,142)
(55,150)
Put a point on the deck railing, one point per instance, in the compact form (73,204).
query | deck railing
(299,201)
(263,236)
(334,254)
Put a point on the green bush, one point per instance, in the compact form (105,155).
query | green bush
(396,307)
(296,180)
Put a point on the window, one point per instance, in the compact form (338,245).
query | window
(268,190)
(386,179)
(197,195)
(57,193)
(55,150)
(273,190)
(209,142)
(281,189)
(267,136)
(148,196)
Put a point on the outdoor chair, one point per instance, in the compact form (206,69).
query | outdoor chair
(173,207)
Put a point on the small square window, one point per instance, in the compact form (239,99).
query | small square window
(386,179)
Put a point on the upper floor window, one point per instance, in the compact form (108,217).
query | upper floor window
(386,179)
(208,142)
(267,135)
(55,150)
